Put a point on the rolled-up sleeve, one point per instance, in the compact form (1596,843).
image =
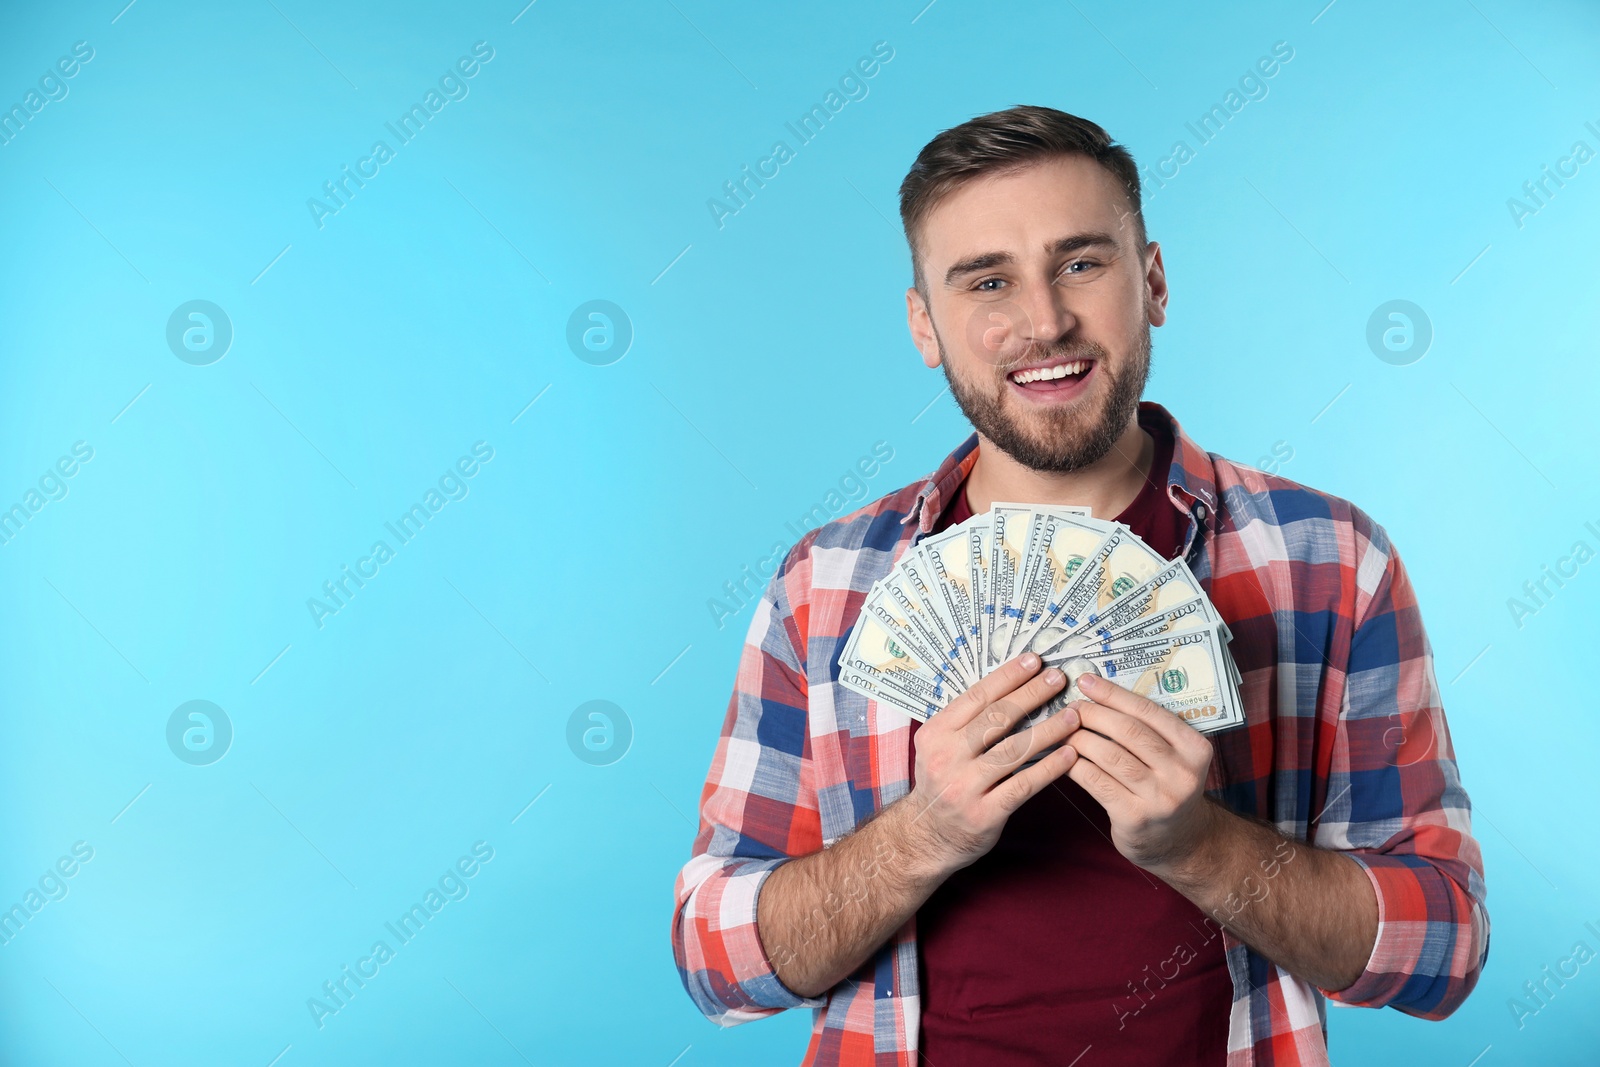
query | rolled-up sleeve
(1395,804)
(758,810)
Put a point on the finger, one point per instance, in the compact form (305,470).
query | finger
(997,720)
(1129,771)
(1023,786)
(1110,793)
(997,683)
(1129,731)
(1103,691)
(1016,749)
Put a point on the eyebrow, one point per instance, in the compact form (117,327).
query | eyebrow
(1060,246)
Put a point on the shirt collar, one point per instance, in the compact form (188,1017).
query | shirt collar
(935,493)
(1191,480)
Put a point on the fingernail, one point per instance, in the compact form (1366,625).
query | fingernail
(1030,660)
(1053,677)
(1089,682)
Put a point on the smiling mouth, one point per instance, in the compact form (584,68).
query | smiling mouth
(1053,377)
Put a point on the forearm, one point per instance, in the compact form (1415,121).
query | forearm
(822,915)
(1311,911)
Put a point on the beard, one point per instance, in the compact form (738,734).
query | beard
(1056,440)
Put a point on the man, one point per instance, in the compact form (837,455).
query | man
(1143,893)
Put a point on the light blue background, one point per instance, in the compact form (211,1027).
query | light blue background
(768,356)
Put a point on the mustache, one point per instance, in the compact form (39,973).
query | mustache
(1044,353)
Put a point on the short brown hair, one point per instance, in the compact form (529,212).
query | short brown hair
(1004,141)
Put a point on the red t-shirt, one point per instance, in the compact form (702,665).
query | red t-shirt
(1053,942)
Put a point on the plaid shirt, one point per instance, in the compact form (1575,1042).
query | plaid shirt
(1345,747)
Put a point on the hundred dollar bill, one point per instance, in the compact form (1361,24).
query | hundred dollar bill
(1184,673)
(1010,526)
(913,578)
(948,574)
(882,641)
(1120,564)
(875,686)
(1183,618)
(912,617)
(1187,617)
(1061,547)
(1172,585)
(1012,529)
(979,533)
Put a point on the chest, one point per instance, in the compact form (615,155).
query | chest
(1284,636)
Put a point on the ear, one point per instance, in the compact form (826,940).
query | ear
(919,322)
(1155,279)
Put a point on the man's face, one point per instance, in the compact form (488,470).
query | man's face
(1041,309)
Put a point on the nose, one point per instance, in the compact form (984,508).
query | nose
(1046,317)
(1033,315)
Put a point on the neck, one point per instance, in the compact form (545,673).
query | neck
(1106,486)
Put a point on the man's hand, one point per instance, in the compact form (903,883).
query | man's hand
(967,777)
(866,885)
(1311,911)
(1147,768)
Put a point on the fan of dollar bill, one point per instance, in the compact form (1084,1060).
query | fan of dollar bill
(1086,595)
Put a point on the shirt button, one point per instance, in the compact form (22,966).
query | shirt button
(1200,512)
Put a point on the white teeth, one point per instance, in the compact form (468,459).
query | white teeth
(1039,374)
